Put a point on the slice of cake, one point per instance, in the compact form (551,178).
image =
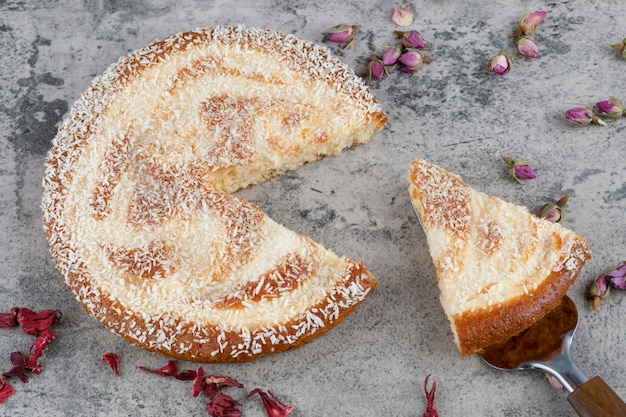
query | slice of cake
(137,206)
(499,268)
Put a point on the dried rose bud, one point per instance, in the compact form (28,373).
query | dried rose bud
(555,383)
(223,406)
(8,320)
(582,116)
(402,15)
(376,69)
(612,108)
(113,360)
(527,48)
(411,39)
(598,290)
(553,212)
(528,24)
(500,64)
(430,399)
(391,55)
(617,276)
(412,60)
(520,169)
(32,323)
(6,390)
(343,34)
(273,407)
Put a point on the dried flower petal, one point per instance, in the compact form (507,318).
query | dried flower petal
(6,390)
(198,382)
(273,406)
(165,371)
(18,360)
(430,398)
(500,64)
(376,69)
(32,323)
(582,116)
(612,108)
(343,33)
(527,48)
(8,320)
(187,375)
(113,360)
(411,39)
(223,406)
(402,15)
(36,350)
(214,384)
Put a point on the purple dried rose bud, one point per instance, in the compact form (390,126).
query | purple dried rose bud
(553,212)
(412,61)
(612,108)
(391,55)
(411,39)
(343,34)
(617,277)
(555,383)
(528,24)
(376,69)
(520,169)
(582,116)
(500,64)
(402,15)
(598,290)
(527,48)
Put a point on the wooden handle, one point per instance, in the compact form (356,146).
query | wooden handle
(595,398)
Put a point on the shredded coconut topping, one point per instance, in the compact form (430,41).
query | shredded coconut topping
(136,200)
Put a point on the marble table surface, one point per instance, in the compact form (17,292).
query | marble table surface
(450,112)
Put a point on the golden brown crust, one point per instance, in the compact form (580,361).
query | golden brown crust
(136,205)
(479,329)
(499,268)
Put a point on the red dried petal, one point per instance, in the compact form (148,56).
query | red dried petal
(167,370)
(273,407)
(6,390)
(430,398)
(187,375)
(32,323)
(8,320)
(113,360)
(36,350)
(18,360)
(223,406)
(198,382)
(213,384)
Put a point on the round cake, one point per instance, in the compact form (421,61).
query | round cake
(137,193)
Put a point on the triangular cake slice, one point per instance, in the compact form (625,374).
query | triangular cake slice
(137,206)
(499,268)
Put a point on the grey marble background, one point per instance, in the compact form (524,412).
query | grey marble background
(451,113)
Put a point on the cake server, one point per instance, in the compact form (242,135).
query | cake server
(546,347)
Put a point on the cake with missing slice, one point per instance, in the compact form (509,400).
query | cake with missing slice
(137,203)
(499,268)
